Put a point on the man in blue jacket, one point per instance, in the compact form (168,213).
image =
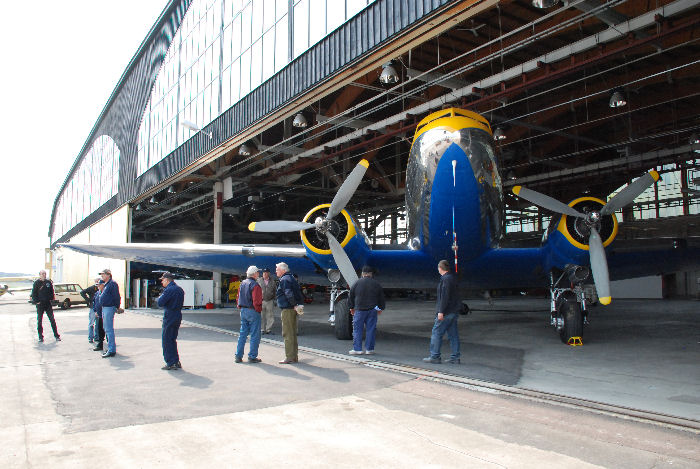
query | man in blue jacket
(291,302)
(447,308)
(171,301)
(110,299)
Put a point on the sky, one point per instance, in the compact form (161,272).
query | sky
(60,63)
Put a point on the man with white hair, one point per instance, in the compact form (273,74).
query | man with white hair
(42,296)
(250,302)
(291,301)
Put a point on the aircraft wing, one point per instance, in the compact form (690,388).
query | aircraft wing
(227,258)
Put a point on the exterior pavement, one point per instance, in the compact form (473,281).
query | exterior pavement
(61,405)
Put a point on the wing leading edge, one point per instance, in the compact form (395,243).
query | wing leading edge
(229,258)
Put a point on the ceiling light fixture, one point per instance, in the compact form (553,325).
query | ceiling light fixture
(153,200)
(389,74)
(300,121)
(499,134)
(245,150)
(617,99)
(138,207)
(544,3)
(171,190)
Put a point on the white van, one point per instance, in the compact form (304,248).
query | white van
(68,294)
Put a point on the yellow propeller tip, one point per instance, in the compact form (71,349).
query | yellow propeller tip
(605,300)
(251,227)
(364,163)
(516,189)
(655,175)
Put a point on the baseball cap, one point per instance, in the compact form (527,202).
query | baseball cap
(251,270)
(367,269)
(167,275)
(266,270)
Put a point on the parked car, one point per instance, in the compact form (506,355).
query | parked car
(67,294)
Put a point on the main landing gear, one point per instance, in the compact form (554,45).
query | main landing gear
(568,304)
(340,316)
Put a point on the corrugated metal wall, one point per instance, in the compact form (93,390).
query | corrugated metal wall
(122,116)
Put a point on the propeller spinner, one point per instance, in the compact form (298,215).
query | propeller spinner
(323,225)
(599,264)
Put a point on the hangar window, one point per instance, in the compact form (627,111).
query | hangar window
(223,50)
(94,182)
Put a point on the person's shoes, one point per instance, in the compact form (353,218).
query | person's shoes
(254,360)
(58,338)
(286,361)
(454,361)
(238,359)
(432,360)
(108,354)
(369,352)
(41,339)
(178,364)
(90,341)
(98,347)
(355,352)
(170,367)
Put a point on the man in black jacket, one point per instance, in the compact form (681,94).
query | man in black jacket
(42,296)
(447,312)
(366,301)
(88,295)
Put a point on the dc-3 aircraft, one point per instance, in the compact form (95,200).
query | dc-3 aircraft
(454,205)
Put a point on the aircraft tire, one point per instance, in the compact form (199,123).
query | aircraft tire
(343,320)
(570,311)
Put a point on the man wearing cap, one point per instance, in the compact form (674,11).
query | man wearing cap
(269,289)
(171,301)
(99,327)
(366,301)
(42,296)
(88,295)
(110,299)
(250,302)
(291,301)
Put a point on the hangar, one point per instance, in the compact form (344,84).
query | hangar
(233,112)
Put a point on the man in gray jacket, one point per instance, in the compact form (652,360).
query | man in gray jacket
(269,293)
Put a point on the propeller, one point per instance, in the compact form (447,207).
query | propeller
(599,264)
(341,199)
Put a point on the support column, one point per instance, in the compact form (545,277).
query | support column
(218,234)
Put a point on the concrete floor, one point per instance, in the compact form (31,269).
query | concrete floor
(64,406)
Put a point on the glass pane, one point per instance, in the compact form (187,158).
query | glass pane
(268,14)
(257,23)
(226,89)
(281,44)
(317,21)
(256,65)
(335,16)
(301,27)
(246,22)
(245,73)
(227,46)
(281,10)
(268,54)
(354,7)
(236,38)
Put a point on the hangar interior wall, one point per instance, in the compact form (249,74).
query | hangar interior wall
(74,267)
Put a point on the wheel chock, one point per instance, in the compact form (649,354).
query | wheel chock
(575,341)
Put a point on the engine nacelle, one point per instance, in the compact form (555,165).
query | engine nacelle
(567,236)
(344,228)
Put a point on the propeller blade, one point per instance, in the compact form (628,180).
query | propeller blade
(599,267)
(279,226)
(546,201)
(342,259)
(347,189)
(629,193)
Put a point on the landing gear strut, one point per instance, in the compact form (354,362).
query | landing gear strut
(340,315)
(568,309)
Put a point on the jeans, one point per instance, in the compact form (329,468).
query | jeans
(250,324)
(40,309)
(360,320)
(108,324)
(449,325)
(91,324)
(171,327)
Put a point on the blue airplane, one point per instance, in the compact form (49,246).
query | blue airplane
(454,205)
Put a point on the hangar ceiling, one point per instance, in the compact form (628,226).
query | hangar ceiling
(545,77)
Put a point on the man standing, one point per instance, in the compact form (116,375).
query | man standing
(269,289)
(88,295)
(250,302)
(42,296)
(99,328)
(291,301)
(447,311)
(110,299)
(171,301)
(366,301)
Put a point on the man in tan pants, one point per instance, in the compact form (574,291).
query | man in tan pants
(291,301)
